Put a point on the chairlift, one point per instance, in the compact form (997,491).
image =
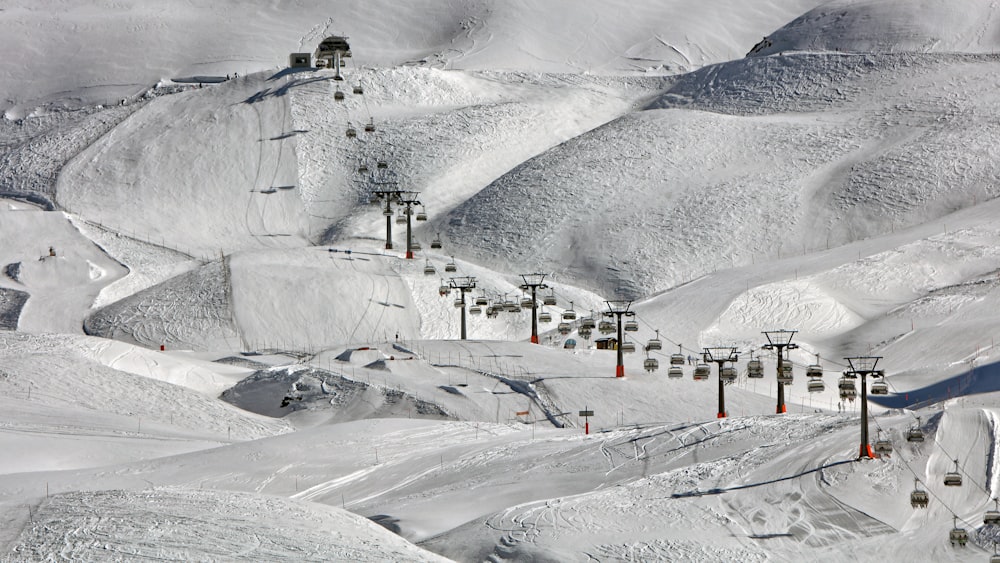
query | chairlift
(563,328)
(816,386)
(655,343)
(675,372)
(381,165)
(847,389)
(475,310)
(628,347)
(584,332)
(814,370)
(545,317)
(338,95)
(444,289)
(527,303)
(370,126)
(651,364)
(549,300)
(400,219)
(992,517)
(605,327)
(631,326)
(421,214)
(755,369)
(436,243)
(569,314)
(588,323)
(430,270)
(512,307)
(727,374)
(879,388)
(451,266)
(958,535)
(362,168)
(882,445)
(918,498)
(677,359)
(785,376)
(358,89)
(701,372)
(482,301)
(953,478)
(915,433)
(351,132)
(459,303)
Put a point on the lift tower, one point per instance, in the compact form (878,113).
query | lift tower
(720,356)
(618,309)
(864,366)
(534,282)
(462,285)
(409,199)
(780,340)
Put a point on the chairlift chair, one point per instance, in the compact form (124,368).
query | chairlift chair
(727,374)
(400,219)
(655,343)
(362,168)
(701,372)
(879,388)
(958,535)
(451,266)
(785,377)
(482,301)
(512,307)
(605,327)
(358,89)
(381,165)
(814,370)
(882,446)
(527,302)
(421,214)
(918,498)
(650,364)
(995,558)
(444,290)
(588,323)
(338,95)
(677,359)
(953,478)
(915,433)
(549,300)
(545,317)
(430,270)
(628,347)
(816,386)
(569,314)
(992,517)
(415,246)
(436,243)
(459,303)
(675,372)
(351,132)
(584,332)
(370,126)
(755,369)
(563,328)
(631,326)
(475,310)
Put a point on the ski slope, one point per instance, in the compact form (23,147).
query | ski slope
(222,359)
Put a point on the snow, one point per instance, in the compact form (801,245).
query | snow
(222,360)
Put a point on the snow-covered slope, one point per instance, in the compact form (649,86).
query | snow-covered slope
(839,183)
(879,26)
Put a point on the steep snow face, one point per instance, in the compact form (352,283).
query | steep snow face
(101,53)
(878,26)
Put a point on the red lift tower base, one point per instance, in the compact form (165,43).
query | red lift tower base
(619,371)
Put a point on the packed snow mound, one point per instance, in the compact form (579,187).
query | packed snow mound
(102,54)
(890,26)
(190,525)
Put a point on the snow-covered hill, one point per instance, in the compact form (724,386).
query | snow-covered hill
(219,358)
